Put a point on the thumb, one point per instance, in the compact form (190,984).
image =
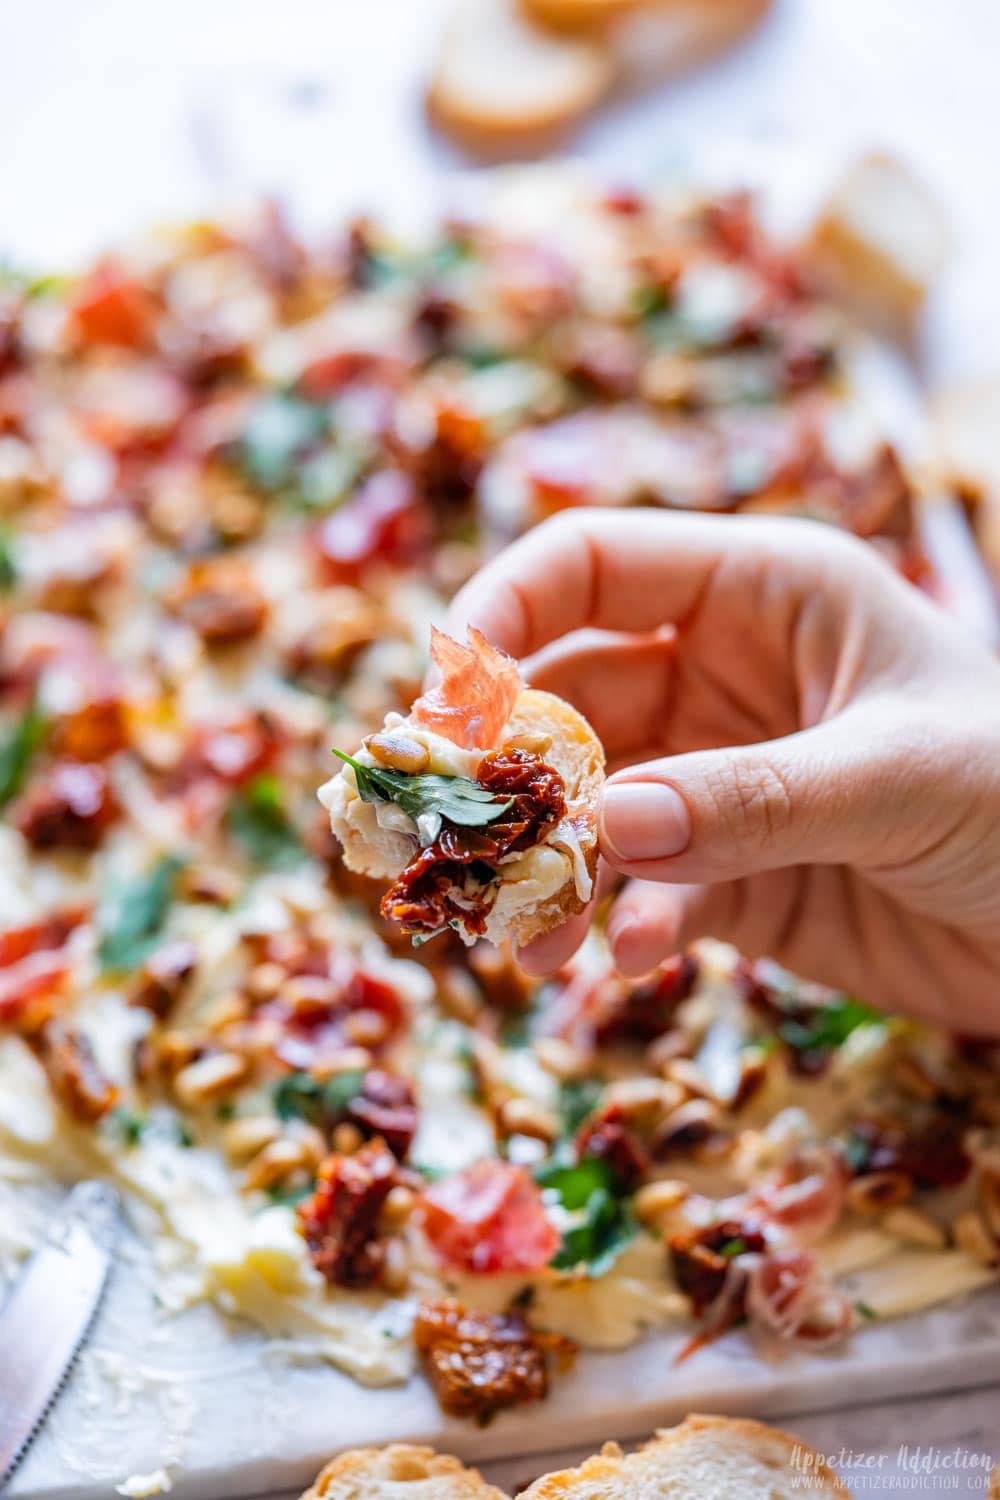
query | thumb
(825,795)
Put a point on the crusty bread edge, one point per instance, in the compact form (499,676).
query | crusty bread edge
(363,1464)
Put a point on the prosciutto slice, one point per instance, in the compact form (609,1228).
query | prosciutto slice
(476,695)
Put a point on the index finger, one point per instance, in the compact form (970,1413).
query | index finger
(623,570)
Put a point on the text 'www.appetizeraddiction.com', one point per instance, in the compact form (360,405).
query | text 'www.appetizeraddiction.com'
(910,1470)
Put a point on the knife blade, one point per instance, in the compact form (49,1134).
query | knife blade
(48,1314)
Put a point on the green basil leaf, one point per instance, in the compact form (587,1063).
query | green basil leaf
(456,799)
(830,1027)
(282,429)
(17,750)
(301,1096)
(256,818)
(578,1098)
(133,914)
(8,567)
(575,1182)
(607,1226)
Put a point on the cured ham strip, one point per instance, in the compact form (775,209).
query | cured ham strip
(476,695)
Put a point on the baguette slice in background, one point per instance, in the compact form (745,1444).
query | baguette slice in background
(705,1458)
(513,76)
(502,85)
(399,1472)
(965,422)
(878,243)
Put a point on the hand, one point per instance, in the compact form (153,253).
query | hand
(811,749)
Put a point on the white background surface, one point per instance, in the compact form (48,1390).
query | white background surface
(113,112)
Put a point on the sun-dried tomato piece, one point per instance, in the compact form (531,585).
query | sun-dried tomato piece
(95,731)
(73,1074)
(220,598)
(644,1011)
(384,522)
(112,307)
(701,1258)
(477,1363)
(31,990)
(437,887)
(609,1138)
(339,1220)
(386,1107)
(931,1153)
(44,935)
(70,806)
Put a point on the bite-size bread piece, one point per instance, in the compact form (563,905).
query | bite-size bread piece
(399,1472)
(517,852)
(718,1457)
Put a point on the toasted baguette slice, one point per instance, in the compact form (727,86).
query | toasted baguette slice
(878,243)
(539,887)
(399,1472)
(503,85)
(705,1458)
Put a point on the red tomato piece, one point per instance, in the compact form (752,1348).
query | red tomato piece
(489,1218)
(384,522)
(37,937)
(29,989)
(112,308)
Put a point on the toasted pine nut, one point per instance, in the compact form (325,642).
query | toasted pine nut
(656,1201)
(398,1206)
(644,1101)
(561,1058)
(686,1072)
(346,1138)
(686,1127)
(264,981)
(214,1074)
(310,1140)
(274,1162)
(398,752)
(226,1009)
(528,1117)
(244,1137)
(972,1236)
(532,742)
(877,1192)
(915,1228)
(309,995)
(349,1060)
(396,1266)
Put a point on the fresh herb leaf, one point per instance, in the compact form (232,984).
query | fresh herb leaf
(575,1182)
(326,478)
(432,798)
(829,1027)
(133,914)
(650,301)
(8,568)
(866,1311)
(607,1226)
(301,1096)
(288,1197)
(732,1248)
(856,1152)
(17,750)
(256,818)
(578,1098)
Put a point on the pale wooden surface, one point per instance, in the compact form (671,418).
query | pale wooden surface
(113,112)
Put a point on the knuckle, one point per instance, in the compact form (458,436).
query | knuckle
(751,799)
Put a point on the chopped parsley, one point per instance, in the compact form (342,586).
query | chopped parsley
(303,1097)
(283,428)
(578,1098)
(603,1223)
(8,568)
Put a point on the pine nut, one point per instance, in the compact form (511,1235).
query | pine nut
(397,752)
(346,1139)
(273,1164)
(366,1028)
(531,742)
(656,1201)
(264,981)
(915,1228)
(214,1074)
(561,1059)
(398,1206)
(244,1137)
(972,1236)
(528,1117)
(877,1192)
(395,1267)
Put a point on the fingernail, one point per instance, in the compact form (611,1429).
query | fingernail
(644,820)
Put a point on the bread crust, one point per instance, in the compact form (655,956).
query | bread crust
(399,1472)
(610,1475)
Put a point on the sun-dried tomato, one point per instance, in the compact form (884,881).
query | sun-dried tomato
(437,887)
(478,1363)
(45,935)
(164,977)
(644,1011)
(930,1152)
(70,806)
(386,1107)
(701,1258)
(609,1138)
(339,1220)
(384,522)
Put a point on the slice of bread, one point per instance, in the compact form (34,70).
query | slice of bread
(502,85)
(878,243)
(538,888)
(399,1472)
(705,1458)
(965,422)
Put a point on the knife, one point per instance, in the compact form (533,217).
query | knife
(47,1316)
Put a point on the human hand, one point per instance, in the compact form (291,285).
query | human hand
(811,750)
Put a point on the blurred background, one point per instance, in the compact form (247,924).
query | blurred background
(114,113)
